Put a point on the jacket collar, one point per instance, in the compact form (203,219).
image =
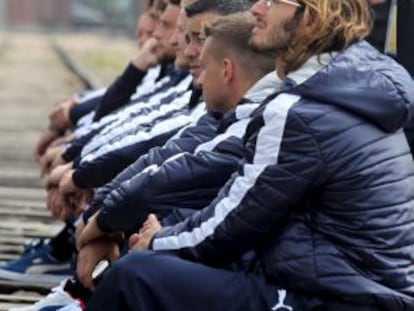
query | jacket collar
(262,89)
(312,66)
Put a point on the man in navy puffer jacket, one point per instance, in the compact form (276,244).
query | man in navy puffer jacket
(167,180)
(325,195)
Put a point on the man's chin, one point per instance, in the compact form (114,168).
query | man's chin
(261,45)
(255,42)
(165,58)
(181,64)
(197,85)
(195,73)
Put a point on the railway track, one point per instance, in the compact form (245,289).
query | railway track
(35,73)
(32,79)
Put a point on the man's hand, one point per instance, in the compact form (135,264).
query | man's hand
(78,201)
(143,239)
(92,232)
(44,142)
(89,233)
(53,179)
(91,254)
(61,208)
(74,198)
(56,205)
(79,228)
(59,116)
(66,184)
(58,161)
(48,158)
(146,57)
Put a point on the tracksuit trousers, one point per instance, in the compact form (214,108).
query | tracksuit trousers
(147,281)
(150,281)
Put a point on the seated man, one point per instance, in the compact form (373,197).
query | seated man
(136,85)
(144,28)
(96,169)
(67,114)
(191,180)
(227,147)
(263,65)
(324,195)
(133,88)
(141,126)
(139,110)
(53,257)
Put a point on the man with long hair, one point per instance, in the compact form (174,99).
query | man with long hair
(324,195)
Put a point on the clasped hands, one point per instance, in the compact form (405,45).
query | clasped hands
(95,245)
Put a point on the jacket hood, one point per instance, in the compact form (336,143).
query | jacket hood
(360,80)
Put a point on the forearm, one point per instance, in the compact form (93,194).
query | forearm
(280,167)
(119,93)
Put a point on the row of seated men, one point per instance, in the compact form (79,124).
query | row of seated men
(252,156)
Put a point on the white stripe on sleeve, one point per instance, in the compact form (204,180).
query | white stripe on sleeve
(267,153)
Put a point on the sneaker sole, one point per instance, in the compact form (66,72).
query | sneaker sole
(33,279)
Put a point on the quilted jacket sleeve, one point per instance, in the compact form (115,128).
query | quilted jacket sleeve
(119,93)
(103,169)
(186,181)
(74,149)
(82,109)
(281,163)
(187,141)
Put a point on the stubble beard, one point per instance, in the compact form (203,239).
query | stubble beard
(275,41)
(165,57)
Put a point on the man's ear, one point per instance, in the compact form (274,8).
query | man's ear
(228,70)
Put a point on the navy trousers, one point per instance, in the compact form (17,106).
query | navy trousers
(147,281)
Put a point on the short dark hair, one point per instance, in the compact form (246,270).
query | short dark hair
(222,7)
(175,2)
(232,33)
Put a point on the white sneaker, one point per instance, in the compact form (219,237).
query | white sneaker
(74,306)
(56,300)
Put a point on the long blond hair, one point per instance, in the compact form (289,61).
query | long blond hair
(326,26)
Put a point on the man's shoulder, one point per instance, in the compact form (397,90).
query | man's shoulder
(289,105)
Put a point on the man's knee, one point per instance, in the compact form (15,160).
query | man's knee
(138,262)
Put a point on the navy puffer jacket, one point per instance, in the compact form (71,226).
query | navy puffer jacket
(326,191)
(189,179)
(202,130)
